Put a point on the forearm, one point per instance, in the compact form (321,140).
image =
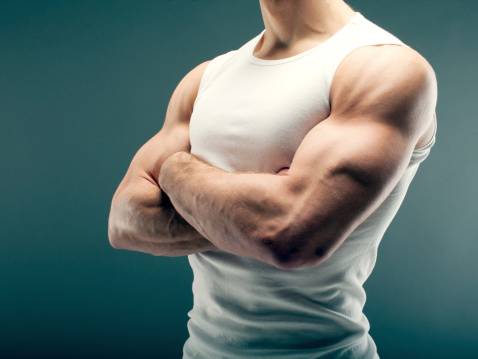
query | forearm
(143,219)
(237,212)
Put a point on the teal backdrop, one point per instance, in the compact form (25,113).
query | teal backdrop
(83,84)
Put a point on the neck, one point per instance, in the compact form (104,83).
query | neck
(288,22)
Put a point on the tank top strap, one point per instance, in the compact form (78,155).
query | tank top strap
(362,33)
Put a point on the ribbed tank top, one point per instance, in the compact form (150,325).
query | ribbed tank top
(251,115)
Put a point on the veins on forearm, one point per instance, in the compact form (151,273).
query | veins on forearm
(175,225)
(187,180)
(233,210)
(144,219)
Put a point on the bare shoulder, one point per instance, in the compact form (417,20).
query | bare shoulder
(174,135)
(387,83)
(182,101)
(193,79)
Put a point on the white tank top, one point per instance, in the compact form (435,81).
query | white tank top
(251,115)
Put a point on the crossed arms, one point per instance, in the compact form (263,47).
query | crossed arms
(172,203)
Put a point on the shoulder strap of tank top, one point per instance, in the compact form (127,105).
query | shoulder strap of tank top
(362,33)
(366,33)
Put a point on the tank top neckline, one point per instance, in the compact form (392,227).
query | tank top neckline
(253,43)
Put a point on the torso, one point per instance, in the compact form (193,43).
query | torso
(251,115)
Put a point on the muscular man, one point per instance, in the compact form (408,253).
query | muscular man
(278,169)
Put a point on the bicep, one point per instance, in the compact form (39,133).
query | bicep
(351,160)
(341,173)
(381,101)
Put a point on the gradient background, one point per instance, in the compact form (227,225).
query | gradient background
(85,83)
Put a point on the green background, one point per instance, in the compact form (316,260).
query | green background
(83,84)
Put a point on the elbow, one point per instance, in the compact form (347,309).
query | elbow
(293,250)
(112,230)
(117,233)
(292,258)
(122,236)
(114,234)
(114,239)
(131,225)
(296,240)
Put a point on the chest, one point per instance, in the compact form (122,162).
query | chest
(253,118)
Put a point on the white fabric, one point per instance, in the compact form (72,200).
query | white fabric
(251,115)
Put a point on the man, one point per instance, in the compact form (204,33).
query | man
(278,169)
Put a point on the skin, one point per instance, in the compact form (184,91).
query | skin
(142,217)
(382,107)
